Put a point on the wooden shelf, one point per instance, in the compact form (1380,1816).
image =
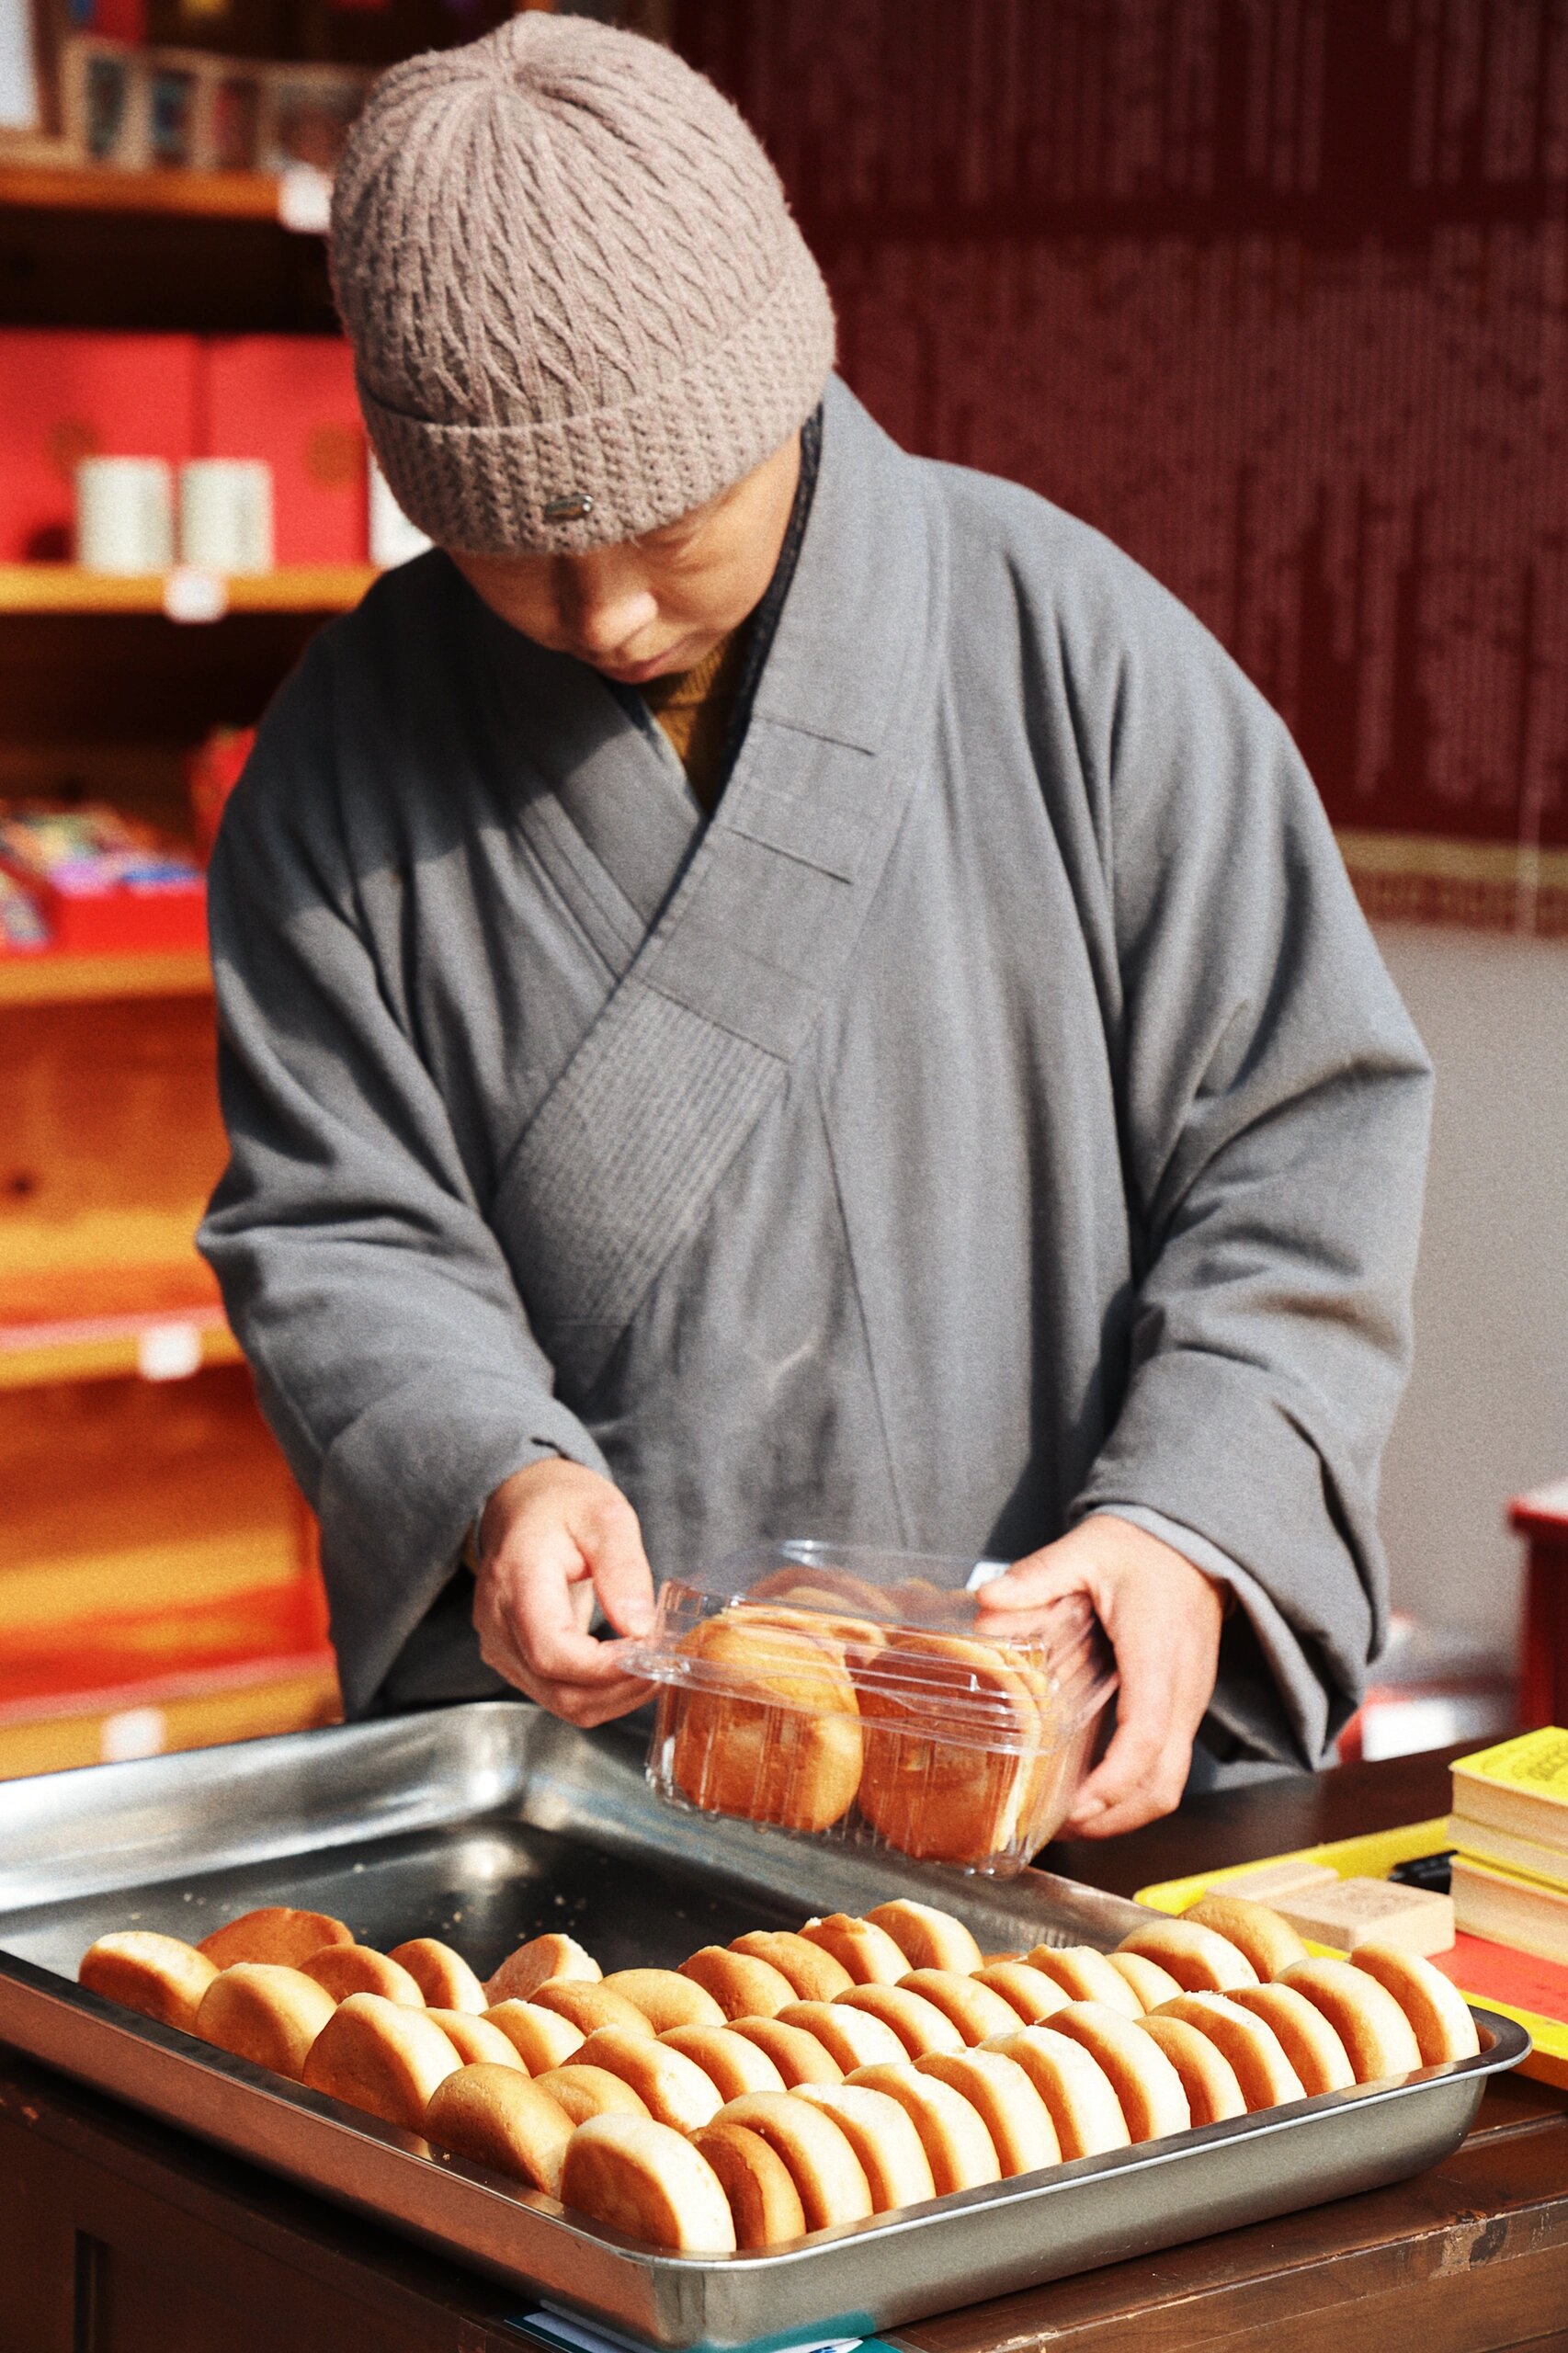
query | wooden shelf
(292,588)
(112,1325)
(205,195)
(49,977)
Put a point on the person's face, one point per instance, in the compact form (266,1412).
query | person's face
(659,604)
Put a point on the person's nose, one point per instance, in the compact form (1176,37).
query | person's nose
(606,600)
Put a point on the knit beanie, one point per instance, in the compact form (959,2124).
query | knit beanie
(578,304)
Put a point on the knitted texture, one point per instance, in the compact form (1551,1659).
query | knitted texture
(571,283)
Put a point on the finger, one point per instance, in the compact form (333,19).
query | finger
(1067,1566)
(612,1541)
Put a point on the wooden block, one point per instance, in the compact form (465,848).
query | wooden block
(1372,1910)
(1266,1882)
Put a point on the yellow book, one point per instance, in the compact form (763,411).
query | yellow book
(1519,1787)
(1525,1858)
(1523,1913)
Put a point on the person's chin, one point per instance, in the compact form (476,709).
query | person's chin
(680,656)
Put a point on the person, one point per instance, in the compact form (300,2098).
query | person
(771,988)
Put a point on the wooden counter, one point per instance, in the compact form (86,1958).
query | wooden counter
(117,2237)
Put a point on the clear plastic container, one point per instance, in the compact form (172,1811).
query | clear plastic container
(844,1693)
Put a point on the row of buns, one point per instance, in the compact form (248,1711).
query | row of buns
(791,2080)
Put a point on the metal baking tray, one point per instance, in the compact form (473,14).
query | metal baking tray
(486,1824)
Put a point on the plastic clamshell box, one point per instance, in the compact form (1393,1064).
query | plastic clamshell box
(840,1691)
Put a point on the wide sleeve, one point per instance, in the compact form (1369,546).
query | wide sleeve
(1275,1101)
(390,1351)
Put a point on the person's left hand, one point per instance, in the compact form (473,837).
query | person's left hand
(1163,1616)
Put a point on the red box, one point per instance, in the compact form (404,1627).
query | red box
(103,883)
(66,395)
(290,399)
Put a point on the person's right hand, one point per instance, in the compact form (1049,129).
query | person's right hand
(552,1538)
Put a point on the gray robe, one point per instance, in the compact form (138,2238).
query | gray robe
(997,1113)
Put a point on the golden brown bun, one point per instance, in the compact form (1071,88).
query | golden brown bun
(1213,2094)
(1149,1983)
(743,1986)
(1304,2035)
(973,2009)
(542,2039)
(1378,2039)
(277,1934)
(1439,2015)
(1005,2101)
(644,2179)
(1076,2090)
(789,1750)
(733,2061)
(799,2056)
(540,1962)
(1086,1976)
(884,2136)
(959,2150)
(932,1796)
(384,2057)
(817,1588)
(764,2201)
(1199,1959)
(589,2006)
(851,2037)
(496,2117)
(821,2162)
(919,2025)
(442,1975)
(581,2092)
(868,1952)
(1142,2077)
(814,1973)
(157,1976)
(1249,2042)
(1028,1993)
(358,1968)
(673,2088)
(666,1998)
(1270,1942)
(265,2012)
(926,1937)
(477,2041)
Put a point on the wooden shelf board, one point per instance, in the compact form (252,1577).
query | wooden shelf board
(78,188)
(292,589)
(81,1325)
(51,977)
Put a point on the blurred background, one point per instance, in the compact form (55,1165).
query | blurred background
(1272,291)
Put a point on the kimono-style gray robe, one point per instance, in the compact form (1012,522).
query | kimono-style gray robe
(998,1112)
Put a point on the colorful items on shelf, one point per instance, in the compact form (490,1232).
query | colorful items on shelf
(212,773)
(131,108)
(101,882)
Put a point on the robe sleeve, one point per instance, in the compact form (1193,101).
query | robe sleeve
(1274,1103)
(390,1351)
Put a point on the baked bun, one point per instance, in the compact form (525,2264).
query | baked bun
(973,2009)
(884,2136)
(1270,1942)
(1076,2090)
(1199,1959)
(926,1789)
(442,1975)
(496,2117)
(821,2162)
(476,2041)
(782,1744)
(959,2150)
(582,2092)
(589,2006)
(542,2039)
(1258,2057)
(358,1968)
(919,2025)
(1086,1976)
(265,2012)
(814,1973)
(1007,2102)
(666,1998)
(1141,2074)
(1213,2094)
(926,1937)
(643,2178)
(673,2088)
(538,1962)
(1439,2015)
(1378,2039)
(277,1934)
(384,2057)
(1149,1983)
(1028,1993)
(852,2037)
(868,1952)
(732,2062)
(764,2201)
(743,1986)
(799,2056)
(1304,2035)
(157,1976)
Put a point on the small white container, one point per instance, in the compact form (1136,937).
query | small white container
(225,513)
(392,538)
(124,513)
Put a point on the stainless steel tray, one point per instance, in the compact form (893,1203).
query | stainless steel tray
(486,1824)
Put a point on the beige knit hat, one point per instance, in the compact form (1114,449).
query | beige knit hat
(578,304)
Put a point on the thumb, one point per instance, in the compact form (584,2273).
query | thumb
(612,1545)
(1067,1566)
